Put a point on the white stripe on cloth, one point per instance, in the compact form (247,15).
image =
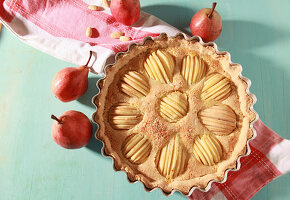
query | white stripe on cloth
(219,196)
(280,156)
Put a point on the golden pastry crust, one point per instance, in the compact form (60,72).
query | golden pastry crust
(179,135)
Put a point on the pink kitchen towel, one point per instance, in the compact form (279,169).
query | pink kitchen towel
(58,27)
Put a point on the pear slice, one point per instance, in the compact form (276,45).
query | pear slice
(123,116)
(171,160)
(136,148)
(160,66)
(219,119)
(193,69)
(134,84)
(174,106)
(216,87)
(207,149)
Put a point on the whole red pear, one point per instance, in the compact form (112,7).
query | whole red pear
(207,24)
(71,130)
(71,83)
(125,11)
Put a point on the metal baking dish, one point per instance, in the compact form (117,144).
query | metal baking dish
(254,99)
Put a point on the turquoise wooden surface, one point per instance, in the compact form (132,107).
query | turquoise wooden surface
(32,166)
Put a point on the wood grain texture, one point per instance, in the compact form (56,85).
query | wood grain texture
(32,166)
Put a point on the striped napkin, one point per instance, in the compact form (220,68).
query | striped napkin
(58,27)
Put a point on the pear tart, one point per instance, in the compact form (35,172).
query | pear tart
(174,114)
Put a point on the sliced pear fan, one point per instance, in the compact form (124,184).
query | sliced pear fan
(174,106)
(171,160)
(123,116)
(136,148)
(207,149)
(193,69)
(219,119)
(160,66)
(134,84)
(216,87)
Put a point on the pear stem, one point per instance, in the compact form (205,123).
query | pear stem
(91,53)
(212,9)
(55,118)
